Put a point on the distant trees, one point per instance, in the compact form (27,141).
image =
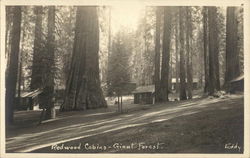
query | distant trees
(11,79)
(119,66)
(83,89)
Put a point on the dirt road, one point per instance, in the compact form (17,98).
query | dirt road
(73,126)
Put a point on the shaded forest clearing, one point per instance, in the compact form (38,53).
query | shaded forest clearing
(197,125)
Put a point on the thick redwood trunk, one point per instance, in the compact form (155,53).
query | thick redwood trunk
(165,54)
(11,79)
(36,76)
(49,85)
(83,89)
(232,52)
(213,51)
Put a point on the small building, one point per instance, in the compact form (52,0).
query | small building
(144,94)
(237,84)
(28,100)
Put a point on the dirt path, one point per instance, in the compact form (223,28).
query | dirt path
(68,128)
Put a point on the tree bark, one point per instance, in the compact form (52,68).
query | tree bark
(183,95)
(36,76)
(177,53)
(83,89)
(232,53)
(157,55)
(213,51)
(13,67)
(49,85)
(205,40)
(189,56)
(165,54)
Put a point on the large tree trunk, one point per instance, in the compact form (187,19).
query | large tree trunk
(205,40)
(83,89)
(213,51)
(157,55)
(232,52)
(37,72)
(189,55)
(49,85)
(11,80)
(183,95)
(165,54)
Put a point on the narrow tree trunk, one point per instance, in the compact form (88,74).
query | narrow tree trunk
(177,54)
(165,53)
(189,56)
(232,53)
(20,69)
(83,89)
(183,95)
(157,55)
(205,40)
(37,72)
(13,67)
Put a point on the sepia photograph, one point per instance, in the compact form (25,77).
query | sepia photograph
(124,78)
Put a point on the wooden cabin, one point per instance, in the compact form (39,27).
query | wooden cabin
(28,100)
(237,84)
(144,94)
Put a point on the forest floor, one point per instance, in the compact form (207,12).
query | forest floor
(201,125)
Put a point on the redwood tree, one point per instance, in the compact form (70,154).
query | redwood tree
(205,47)
(36,76)
(83,89)
(165,53)
(11,79)
(214,83)
(183,95)
(232,52)
(157,55)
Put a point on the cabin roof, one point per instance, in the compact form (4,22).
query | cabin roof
(144,89)
(241,77)
(31,94)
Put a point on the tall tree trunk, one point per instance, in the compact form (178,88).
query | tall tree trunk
(49,85)
(177,53)
(165,53)
(213,51)
(205,40)
(37,72)
(232,52)
(183,95)
(83,89)
(189,56)
(13,67)
(20,69)
(157,55)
